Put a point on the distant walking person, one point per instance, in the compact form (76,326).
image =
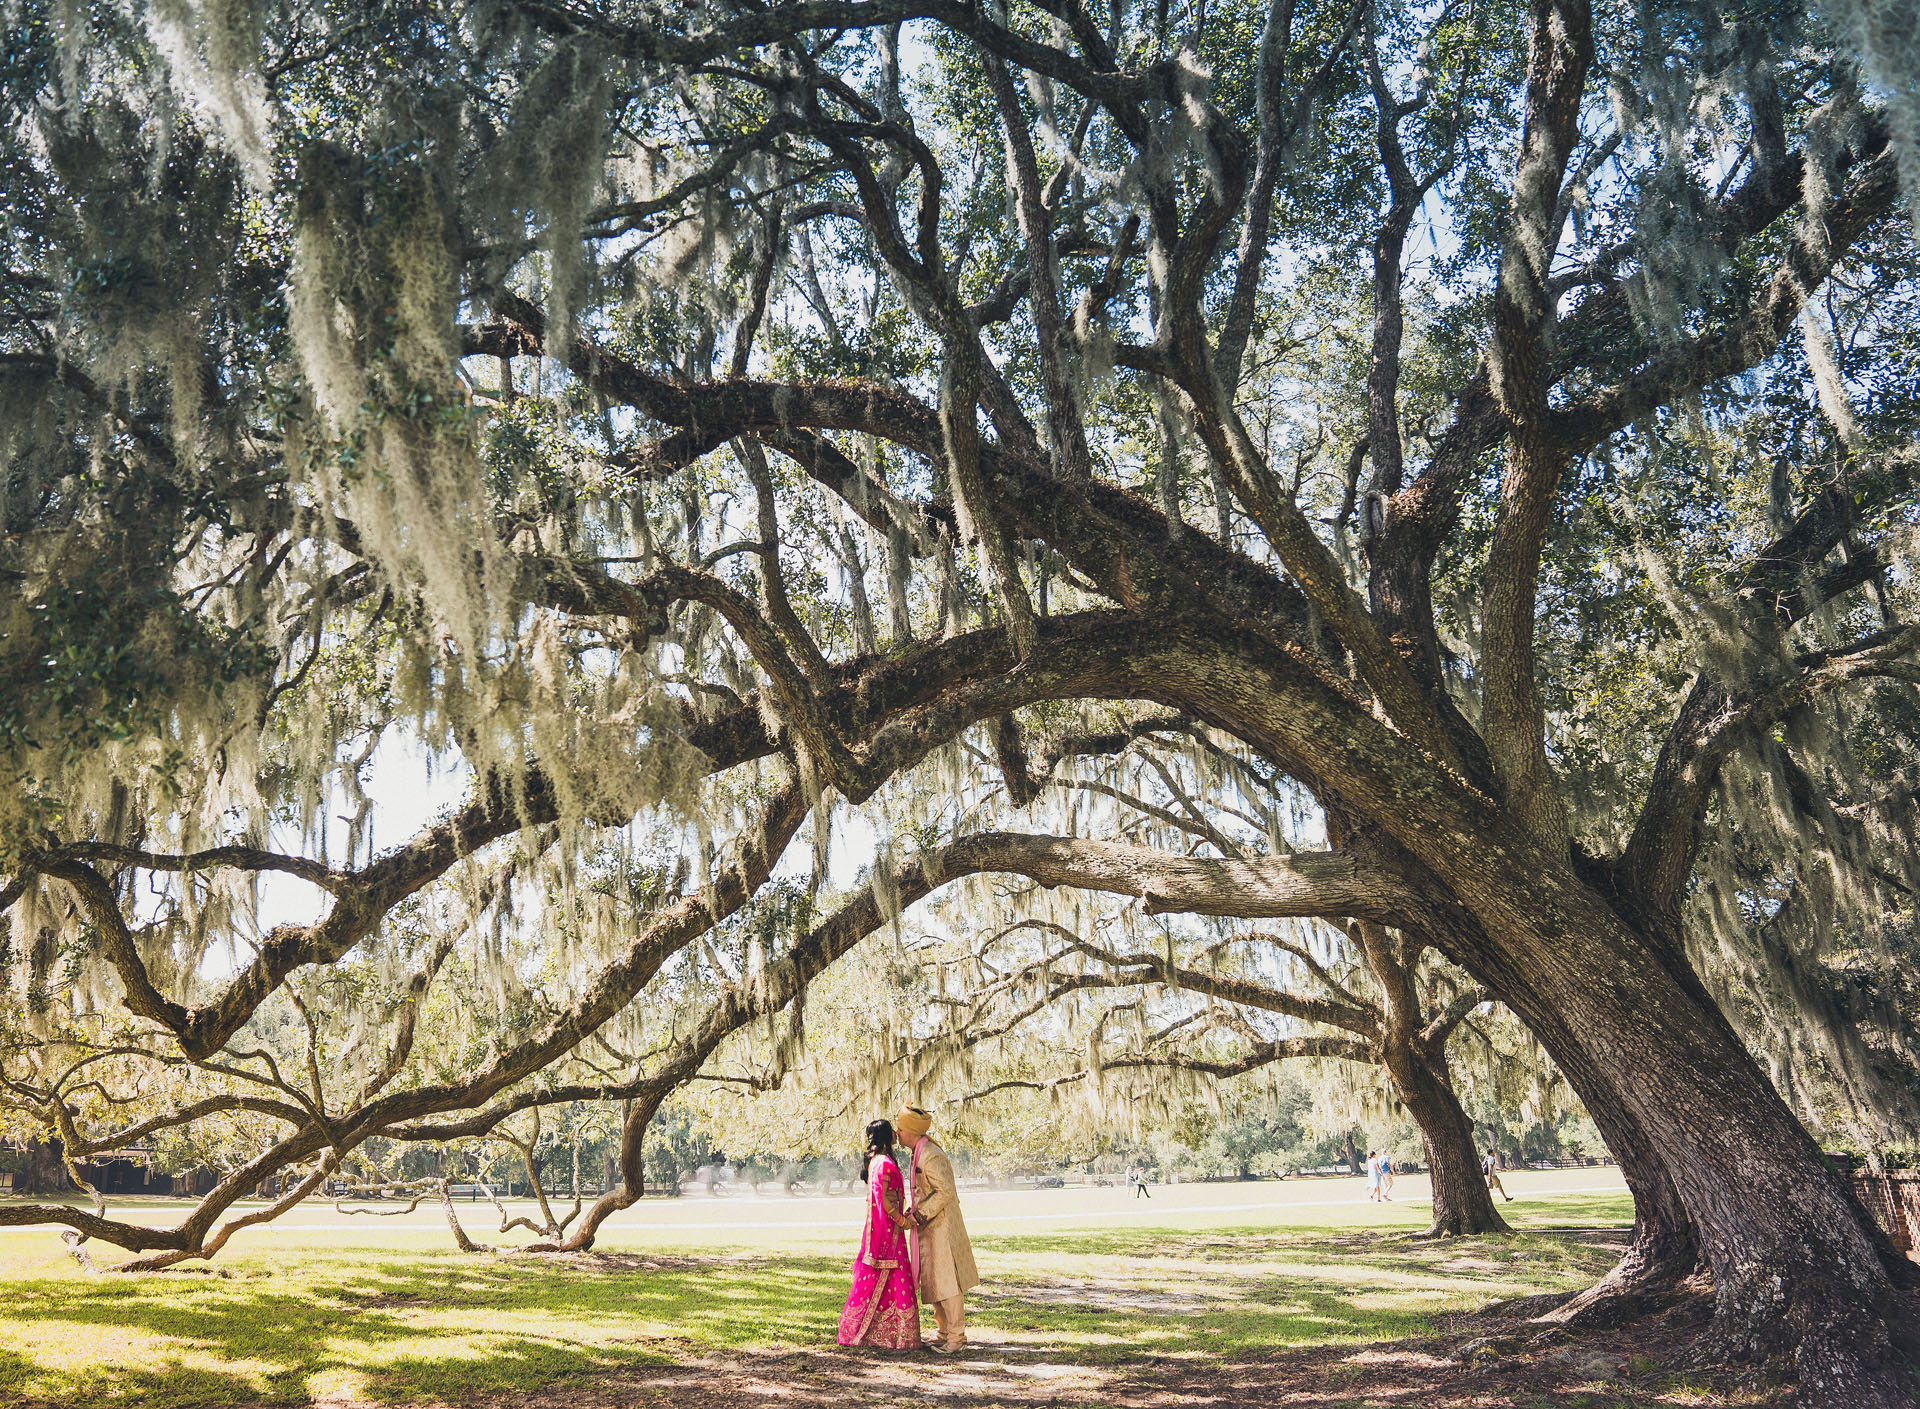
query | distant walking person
(1373,1176)
(1386,1176)
(942,1254)
(1490,1167)
(1138,1177)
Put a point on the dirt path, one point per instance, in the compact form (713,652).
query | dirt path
(1415,1374)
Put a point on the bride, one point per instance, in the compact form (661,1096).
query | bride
(882,1308)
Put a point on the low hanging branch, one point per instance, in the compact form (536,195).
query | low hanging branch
(1391,1028)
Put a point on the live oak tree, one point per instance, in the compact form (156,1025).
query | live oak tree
(1173,1014)
(687,429)
(923,1017)
(1121,793)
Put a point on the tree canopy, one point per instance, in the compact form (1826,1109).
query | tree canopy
(1443,473)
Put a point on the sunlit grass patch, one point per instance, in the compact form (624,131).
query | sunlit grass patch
(1228,1294)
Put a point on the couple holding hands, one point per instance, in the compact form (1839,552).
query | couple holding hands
(915,1245)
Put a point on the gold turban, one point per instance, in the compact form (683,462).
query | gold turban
(911,1124)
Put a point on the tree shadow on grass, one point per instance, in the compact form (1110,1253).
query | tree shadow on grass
(435,1328)
(1116,1294)
(450,1329)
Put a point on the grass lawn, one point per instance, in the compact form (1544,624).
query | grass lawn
(337,1310)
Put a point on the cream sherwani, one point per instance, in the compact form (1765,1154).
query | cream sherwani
(945,1255)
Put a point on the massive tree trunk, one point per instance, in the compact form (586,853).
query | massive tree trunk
(46,1171)
(1796,1262)
(1665,1249)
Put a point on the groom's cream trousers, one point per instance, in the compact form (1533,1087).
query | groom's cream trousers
(950,1320)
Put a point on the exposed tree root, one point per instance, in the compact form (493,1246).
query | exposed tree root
(1652,1269)
(1524,1308)
(1464,1226)
(1838,1350)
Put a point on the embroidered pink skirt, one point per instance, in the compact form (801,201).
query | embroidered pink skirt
(881,1308)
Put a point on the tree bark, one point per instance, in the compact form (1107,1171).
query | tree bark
(1718,1161)
(1462,1203)
(46,1171)
(1416,1061)
(1665,1249)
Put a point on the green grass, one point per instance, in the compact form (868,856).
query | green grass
(1241,1291)
(432,1326)
(355,1310)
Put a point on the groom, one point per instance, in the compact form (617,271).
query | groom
(942,1256)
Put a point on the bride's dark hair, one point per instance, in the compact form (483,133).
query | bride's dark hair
(879,1142)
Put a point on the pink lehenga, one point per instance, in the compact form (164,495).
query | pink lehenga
(882,1308)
